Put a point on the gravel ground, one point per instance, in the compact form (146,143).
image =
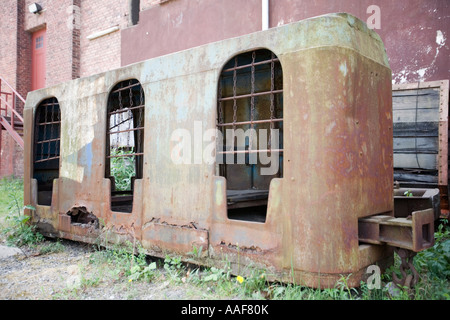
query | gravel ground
(29,275)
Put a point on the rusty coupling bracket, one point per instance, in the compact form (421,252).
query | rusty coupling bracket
(415,232)
(407,235)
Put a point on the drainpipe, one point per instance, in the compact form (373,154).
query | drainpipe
(265,14)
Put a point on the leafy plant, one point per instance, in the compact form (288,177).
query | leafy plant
(146,273)
(122,168)
(437,259)
(196,252)
(19,232)
(172,263)
(408,193)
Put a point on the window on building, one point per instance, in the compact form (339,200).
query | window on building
(47,133)
(250,119)
(124,142)
(134,11)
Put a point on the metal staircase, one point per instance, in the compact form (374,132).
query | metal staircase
(10,118)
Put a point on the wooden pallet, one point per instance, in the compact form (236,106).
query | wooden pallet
(420,117)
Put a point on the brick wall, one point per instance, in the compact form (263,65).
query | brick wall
(71,52)
(146,4)
(23,82)
(8,36)
(57,18)
(101,53)
(9,68)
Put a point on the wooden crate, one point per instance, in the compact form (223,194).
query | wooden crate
(420,116)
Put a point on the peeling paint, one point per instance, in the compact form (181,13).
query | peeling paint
(440,39)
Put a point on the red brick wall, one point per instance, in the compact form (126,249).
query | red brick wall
(102,53)
(69,52)
(56,17)
(8,36)
(23,79)
(10,68)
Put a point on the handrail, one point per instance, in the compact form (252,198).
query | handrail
(12,89)
(9,124)
(12,109)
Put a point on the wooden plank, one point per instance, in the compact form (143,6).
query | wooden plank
(421,137)
(420,161)
(415,85)
(410,115)
(419,129)
(246,195)
(416,145)
(414,177)
(443,134)
(416,99)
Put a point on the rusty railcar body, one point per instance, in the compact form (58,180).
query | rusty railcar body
(323,83)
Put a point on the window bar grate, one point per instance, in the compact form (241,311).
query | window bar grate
(234,97)
(48,124)
(130,108)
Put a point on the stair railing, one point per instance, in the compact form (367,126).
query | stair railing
(9,117)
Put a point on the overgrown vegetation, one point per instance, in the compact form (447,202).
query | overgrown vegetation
(130,266)
(122,168)
(17,230)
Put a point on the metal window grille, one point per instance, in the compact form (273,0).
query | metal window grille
(250,97)
(47,131)
(125,130)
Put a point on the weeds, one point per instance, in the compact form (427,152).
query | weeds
(129,264)
(122,168)
(18,231)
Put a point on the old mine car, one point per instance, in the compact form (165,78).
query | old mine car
(126,155)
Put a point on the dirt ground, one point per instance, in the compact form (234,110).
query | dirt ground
(28,275)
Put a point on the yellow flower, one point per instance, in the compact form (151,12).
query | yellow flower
(239,279)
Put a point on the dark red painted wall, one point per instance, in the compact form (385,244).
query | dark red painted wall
(415,32)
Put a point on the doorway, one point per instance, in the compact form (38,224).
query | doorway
(38,48)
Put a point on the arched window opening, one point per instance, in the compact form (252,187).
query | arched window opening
(47,134)
(250,120)
(124,142)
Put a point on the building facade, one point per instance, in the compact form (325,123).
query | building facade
(69,39)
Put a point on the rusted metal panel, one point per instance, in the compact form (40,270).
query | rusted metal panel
(414,233)
(408,200)
(162,237)
(337,163)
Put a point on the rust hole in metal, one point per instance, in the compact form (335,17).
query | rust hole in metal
(81,216)
(246,249)
(250,120)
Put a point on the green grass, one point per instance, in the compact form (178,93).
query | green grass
(130,266)
(6,186)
